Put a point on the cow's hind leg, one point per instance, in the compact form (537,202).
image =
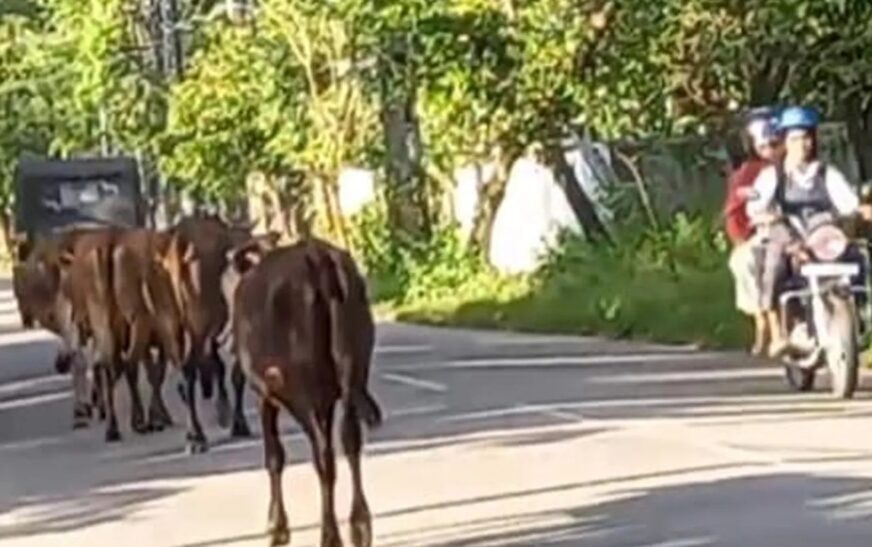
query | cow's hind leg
(222,403)
(196,438)
(352,441)
(274,460)
(158,415)
(137,413)
(240,424)
(319,428)
(139,340)
(110,376)
(98,399)
(81,406)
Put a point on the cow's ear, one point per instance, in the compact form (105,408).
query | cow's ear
(244,257)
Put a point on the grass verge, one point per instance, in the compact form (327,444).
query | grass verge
(694,307)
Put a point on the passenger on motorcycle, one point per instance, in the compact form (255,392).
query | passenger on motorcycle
(800,188)
(763,146)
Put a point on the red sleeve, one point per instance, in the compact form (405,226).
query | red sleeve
(737,224)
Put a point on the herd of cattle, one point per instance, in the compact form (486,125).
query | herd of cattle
(293,320)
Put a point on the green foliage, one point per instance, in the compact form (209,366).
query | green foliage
(413,271)
(669,286)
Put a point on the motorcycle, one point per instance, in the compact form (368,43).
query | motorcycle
(825,308)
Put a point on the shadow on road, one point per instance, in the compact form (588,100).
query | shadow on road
(501,406)
(61,513)
(773,510)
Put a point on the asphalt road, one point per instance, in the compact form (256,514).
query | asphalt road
(490,439)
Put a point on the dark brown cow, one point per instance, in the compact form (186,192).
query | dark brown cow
(241,259)
(304,335)
(196,259)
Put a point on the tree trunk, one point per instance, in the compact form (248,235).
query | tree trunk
(490,197)
(6,243)
(859,122)
(578,200)
(407,207)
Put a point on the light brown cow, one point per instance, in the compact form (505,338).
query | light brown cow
(97,324)
(149,312)
(36,282)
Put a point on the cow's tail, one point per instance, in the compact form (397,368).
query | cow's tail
(368,408)
(101,259)
(337,281)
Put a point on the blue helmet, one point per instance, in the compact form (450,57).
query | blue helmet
(798,117)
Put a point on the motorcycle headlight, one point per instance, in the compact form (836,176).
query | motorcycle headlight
(827,243)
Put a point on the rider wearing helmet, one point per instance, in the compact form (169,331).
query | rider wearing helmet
(804,188)
(761,142)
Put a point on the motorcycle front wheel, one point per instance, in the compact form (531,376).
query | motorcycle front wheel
(842,354)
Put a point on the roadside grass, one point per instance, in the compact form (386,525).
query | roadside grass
(691,306)
(670,286)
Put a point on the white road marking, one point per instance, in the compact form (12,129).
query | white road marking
(426,385)
(580,341)
(400,349)
(772,403)
(416,411)
(567,360)
(689,542)
(31,444)
(27,337)
(29,383)
(685,376)
(35,400)
(559,414)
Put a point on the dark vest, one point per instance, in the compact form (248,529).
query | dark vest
(811,206)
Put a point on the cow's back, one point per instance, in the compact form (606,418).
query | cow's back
(209,237)
(280,314)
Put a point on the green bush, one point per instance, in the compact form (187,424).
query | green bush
(669,285)
(404,272)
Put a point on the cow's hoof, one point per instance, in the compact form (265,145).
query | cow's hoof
(63,363)
(331,539)
(197,446)
(361,536)
(222,408)
(240,430)
(82,413)
(361,529)
(159,417)
(155,424)
(141,428)
(280,536)
(113,436)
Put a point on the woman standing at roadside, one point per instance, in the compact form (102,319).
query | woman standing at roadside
(764,147)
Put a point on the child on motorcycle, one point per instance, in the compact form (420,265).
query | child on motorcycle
(763,146)
(800,188)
